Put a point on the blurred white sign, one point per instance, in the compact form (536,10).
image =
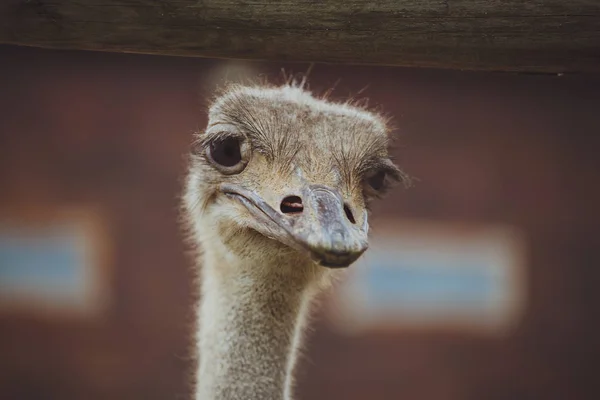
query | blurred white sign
(430,275)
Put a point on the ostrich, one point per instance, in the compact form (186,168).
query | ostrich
(276,201)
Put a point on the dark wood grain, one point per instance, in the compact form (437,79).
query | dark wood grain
(540,35)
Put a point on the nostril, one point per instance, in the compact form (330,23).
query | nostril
(349,214)
(291,205)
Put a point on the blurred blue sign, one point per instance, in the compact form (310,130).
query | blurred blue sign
(434,275)
(47,267)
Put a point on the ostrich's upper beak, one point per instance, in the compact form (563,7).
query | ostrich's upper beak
(319,223)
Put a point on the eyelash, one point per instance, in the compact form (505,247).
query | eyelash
(391,175)
(200,145)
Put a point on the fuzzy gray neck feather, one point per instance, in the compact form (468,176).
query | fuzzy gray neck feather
(250,328)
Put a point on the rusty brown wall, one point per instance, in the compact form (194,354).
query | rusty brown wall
(111,131)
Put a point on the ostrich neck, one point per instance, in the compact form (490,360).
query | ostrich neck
(250,327)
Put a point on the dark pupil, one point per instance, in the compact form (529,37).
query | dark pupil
(376,181)
(226,152)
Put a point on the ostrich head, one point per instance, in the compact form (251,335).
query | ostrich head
(278,188)
(284,178)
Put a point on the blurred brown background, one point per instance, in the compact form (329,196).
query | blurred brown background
(109,131)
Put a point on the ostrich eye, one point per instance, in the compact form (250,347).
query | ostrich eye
(227,154)
(377,181)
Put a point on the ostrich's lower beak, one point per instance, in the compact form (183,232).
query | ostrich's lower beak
(321,225)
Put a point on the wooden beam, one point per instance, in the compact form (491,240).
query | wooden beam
(508,35)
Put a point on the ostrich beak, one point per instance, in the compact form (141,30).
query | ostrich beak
(319,224)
